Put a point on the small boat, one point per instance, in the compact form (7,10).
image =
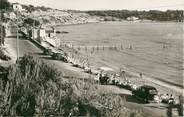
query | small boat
(62,32)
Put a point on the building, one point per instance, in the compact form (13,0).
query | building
(42,33)
(10,15)
(17,7)
(51,33)
(132,18)
(38,34)
(34,33)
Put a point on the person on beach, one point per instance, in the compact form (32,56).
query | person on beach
(122,73)
(92,50)
(164,46)
(99,75)
(113,79)
(171,99)
(167,96)
(130,47)
(140,75)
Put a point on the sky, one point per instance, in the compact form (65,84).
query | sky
(107,4)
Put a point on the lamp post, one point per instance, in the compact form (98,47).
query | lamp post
(1,25)
(33,26)
(17,39)
(1,35)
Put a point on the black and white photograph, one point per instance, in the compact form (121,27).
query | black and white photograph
(91,58)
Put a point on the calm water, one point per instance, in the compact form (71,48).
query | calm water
(157,47)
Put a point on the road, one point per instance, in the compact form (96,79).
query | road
(26,46)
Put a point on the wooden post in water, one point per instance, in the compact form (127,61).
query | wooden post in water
(109,47)
(115,48)
(86,48)
(72,46)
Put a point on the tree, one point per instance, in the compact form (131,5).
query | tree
(31,22)
(4,4)
(2,34)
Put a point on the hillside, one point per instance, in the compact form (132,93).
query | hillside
(154,15)
(57,17)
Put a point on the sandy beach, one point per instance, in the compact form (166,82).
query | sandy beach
(161,66)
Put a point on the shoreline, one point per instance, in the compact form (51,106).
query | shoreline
(164,86)
(75,40)
(65,25)
(168,85)
(76,24)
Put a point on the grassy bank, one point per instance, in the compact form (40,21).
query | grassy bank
(34,88)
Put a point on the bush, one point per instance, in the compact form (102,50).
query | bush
(3,56)
(94,103)
(33,87)
(4,5)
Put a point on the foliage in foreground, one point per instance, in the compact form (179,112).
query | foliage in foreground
(35,88)
(4,4)
(3,56)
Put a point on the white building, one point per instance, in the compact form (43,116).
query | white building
(10,15)
(42,33)
(38,34)
(51,33)
(34,34)
(132,18)
(17,7)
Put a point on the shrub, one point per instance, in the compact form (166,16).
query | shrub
(3,56)
(34,87)
(4,5)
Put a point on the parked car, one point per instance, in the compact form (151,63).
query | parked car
(103,79)
(145,93)
(47,51)
(59,56)
(87,70)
